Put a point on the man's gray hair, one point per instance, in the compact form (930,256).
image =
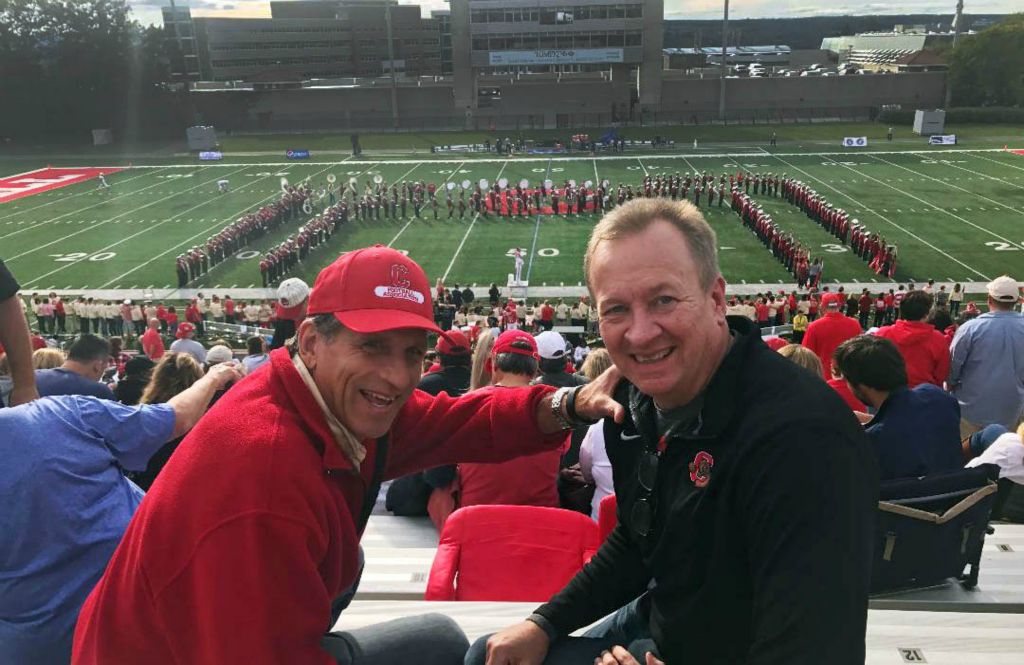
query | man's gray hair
(327,325)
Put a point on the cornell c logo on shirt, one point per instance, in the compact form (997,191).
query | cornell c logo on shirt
(700,469)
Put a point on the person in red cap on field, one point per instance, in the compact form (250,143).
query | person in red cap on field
(185,343)
(246,549)
(292,298)
(824,335)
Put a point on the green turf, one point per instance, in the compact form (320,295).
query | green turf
(954,216)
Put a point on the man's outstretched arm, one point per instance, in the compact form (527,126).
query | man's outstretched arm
(14,338)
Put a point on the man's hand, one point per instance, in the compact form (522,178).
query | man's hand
(619,656)
(23,394)
(222,374)
(594,400)
(522,644)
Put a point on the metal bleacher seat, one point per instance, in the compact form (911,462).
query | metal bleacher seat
(893,638)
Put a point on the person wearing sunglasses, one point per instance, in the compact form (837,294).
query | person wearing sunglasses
(745,489)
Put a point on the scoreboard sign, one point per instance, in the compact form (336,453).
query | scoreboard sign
(43,180)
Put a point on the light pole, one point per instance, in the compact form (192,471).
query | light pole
(957,23)
(725,65)
(391,58)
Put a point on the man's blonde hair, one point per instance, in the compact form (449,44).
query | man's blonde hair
(637,215)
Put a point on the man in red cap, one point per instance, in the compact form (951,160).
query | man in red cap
(246,549)
(185,343)
(824,335)
(530,480)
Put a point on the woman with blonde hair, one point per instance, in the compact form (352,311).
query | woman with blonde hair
(805,358)
(480,374)
(47,358)
(174,372)
(595,364)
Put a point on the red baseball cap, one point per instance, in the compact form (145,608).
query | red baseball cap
(184,329)
(454,343)
(515,341)
(373,290)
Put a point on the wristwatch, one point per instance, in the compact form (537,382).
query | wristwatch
(570,419)
(557,399)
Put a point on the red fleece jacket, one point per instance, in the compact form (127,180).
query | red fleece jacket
(924,349)
(824,336)
(250,531)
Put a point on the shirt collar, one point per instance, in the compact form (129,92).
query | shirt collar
(354,451)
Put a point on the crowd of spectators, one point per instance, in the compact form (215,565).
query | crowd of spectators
(276,457)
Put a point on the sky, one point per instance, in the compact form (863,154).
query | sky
(148,11)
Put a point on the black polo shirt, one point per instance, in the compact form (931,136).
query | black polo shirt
(762,538)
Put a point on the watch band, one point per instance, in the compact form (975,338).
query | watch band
(570,410)
(556,408)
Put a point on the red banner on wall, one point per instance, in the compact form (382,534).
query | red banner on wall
(43,180)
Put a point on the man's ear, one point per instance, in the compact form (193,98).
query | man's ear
(308,337)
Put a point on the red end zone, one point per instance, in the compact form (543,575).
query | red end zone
(43,180)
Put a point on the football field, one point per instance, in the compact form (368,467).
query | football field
(955,215)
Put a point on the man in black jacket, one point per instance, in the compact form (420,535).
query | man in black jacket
(746,493)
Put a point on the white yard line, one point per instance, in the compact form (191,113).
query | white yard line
(402,177)
(138,233)
(107,221)
(120,183)
(932,205)
(75,212)
(207,230)
(597,178)
(943,182)
(996,161)
(638,161)
(536,231)
(468,231)
(983,175)
(883,217)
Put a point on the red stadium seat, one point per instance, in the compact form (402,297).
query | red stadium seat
(510,553)
(606,517)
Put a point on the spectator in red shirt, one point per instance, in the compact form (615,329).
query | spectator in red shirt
(864,304)
(193,316)
(547,316)
(826,334)
(255,521)
(925,350)
(161,315)
(229,309)
(761,312)
(152,342)
(530,480)
(172,320)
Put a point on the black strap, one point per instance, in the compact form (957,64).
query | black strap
(380,459)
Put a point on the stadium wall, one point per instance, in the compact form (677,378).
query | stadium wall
(546,103)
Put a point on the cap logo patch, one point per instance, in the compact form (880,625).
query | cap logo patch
(399,287)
